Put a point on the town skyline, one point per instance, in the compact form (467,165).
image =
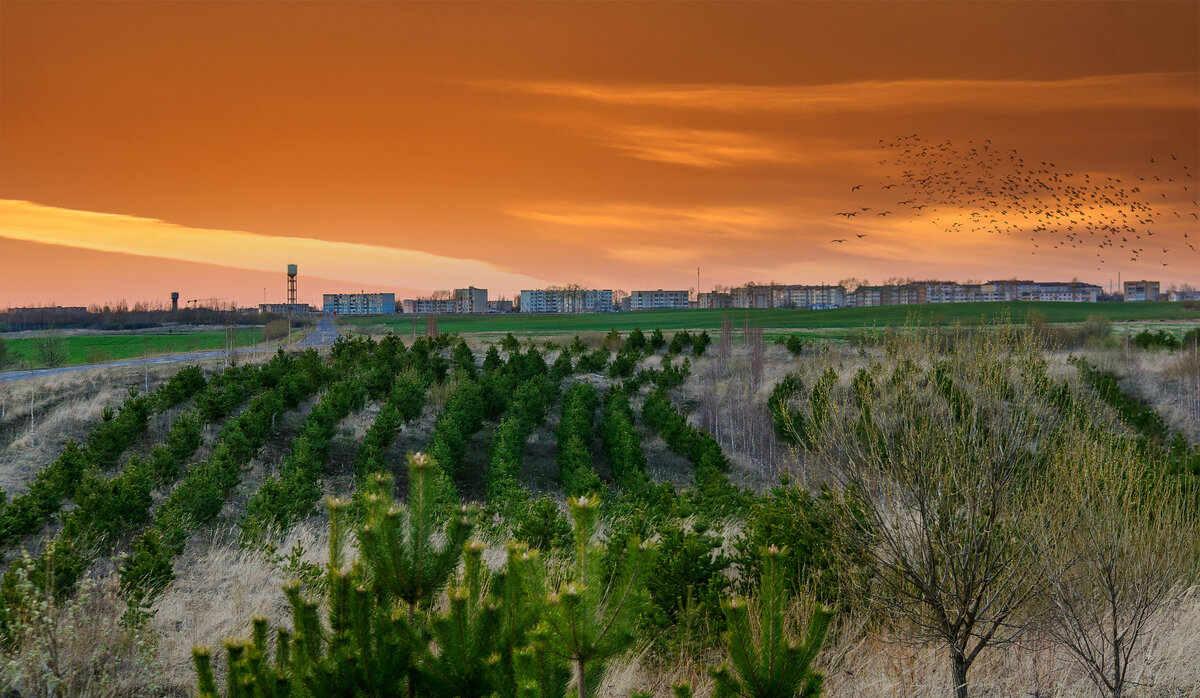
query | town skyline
(200,147)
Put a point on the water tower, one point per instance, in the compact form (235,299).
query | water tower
(291,296)
(174,301)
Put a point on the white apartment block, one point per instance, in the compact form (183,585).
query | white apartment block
(658,300)
(566,301)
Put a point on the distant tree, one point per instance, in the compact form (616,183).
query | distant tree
(851,283)
(276,329)
(50,349)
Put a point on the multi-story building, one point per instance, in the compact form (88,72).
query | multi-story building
(1184,295)
(359,303)
(566,301)
(657,300)
(500,306)
(714,300)
(286,308)
(1140,291)
(815,297)
(429,306)
(873,296)
(751,296)
(471,300)
(1071,291)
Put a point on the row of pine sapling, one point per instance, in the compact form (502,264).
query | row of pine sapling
(100,452)
(415,617)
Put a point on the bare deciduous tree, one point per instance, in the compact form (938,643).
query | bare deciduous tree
(1118,543)
(936,471)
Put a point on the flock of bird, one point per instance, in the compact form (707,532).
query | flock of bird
(981,188)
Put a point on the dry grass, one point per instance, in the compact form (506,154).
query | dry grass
(877,664)
(1169,382)
(217,589)
(64,407)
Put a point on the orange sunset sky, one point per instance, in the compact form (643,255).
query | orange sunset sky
(199,147)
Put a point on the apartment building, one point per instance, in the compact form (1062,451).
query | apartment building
(359,303)
(922,292)
(714,300)
(1185,295)
(500,306)
(753,296)
(287,308)
(814,297)
(1141,291)
(656,300)
(567,301)
(429,306)
(470,300)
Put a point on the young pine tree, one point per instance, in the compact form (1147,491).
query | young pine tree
(767,663)
(591,617)
(370,641)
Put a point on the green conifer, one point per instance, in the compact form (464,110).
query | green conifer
(766,663)
(591,617)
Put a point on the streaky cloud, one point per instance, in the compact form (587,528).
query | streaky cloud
(1125,91)
(343,261)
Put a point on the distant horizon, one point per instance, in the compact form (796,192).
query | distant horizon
(160,304)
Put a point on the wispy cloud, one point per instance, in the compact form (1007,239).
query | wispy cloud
(1127,91)
(371,264)
(697,147)
(736,221)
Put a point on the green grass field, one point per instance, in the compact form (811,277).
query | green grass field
(99,348)
(841,319)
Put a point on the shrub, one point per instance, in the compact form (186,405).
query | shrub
(593,362)
(50,350)
(1158,339)
(276,329)
(636,342)
(624,364)
(657,340)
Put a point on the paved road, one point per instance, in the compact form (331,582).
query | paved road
(325,334)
